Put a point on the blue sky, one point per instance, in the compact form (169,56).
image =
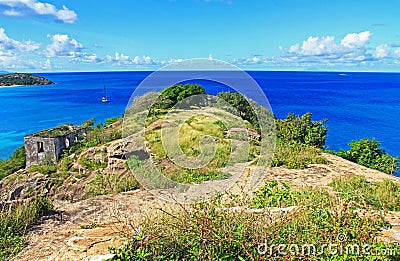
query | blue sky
(88,35)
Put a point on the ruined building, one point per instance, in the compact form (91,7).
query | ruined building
(49,143)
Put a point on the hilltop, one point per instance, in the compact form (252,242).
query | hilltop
(97,203)
(14,79)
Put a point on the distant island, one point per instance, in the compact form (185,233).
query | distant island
(12,79)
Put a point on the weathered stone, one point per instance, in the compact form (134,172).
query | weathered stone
(42,145)
(101,257)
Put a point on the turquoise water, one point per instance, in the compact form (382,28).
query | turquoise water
(356,105)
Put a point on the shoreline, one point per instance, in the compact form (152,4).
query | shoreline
(13,86)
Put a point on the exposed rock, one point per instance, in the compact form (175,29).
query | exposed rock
(23,185)
(100,257)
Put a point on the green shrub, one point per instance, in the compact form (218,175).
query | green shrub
(367,152)
(112,120)
(176,93)
(273,195)
(302,130)
(93,164)
(16,162)
(89,124)
(242,105)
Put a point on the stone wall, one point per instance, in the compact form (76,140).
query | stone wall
(35,156)
(39,148)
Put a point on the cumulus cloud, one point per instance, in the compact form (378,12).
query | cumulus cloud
(11,51)
(90,58)
(35,7)
(14,54)
(177,60)
(356,40)
(382,51)
(62,46)
(397,53)
(120,59)
(352,48)
(14,47)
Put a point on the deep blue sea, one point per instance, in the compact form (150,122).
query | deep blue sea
(357,105)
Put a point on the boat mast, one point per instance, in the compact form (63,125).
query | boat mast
(105,92)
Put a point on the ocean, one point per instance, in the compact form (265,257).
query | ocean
(357,105)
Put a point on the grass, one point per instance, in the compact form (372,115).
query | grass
(190,175)
(91,164)
(46,169)
(14,223)
(106,183)
(190,136)
(296,156)
(208,231)
(383,195)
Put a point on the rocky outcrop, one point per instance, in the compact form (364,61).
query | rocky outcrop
(23,186)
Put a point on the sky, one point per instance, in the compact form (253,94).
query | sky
(88,35)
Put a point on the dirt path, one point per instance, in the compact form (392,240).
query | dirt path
(87,228)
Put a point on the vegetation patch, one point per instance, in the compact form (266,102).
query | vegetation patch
(15,221)
(367,152)
(91,164)
(11,79)
(16,162)
(209,231)
(106,183)
(192,131)
(296,156)
(379,195)
(302,130)
(47,168)
(299,142)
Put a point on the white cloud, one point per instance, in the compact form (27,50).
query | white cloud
(397,53)
(90,58)
(382,51)
(178,60)
(14,47)
(11,13)
(12,53)
(120,59)
(66,15)
(47,65)
(147,59)
(356,40)
(63,46)
(35,7)
(352,49)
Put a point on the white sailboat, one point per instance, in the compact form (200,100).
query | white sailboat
(104,99)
